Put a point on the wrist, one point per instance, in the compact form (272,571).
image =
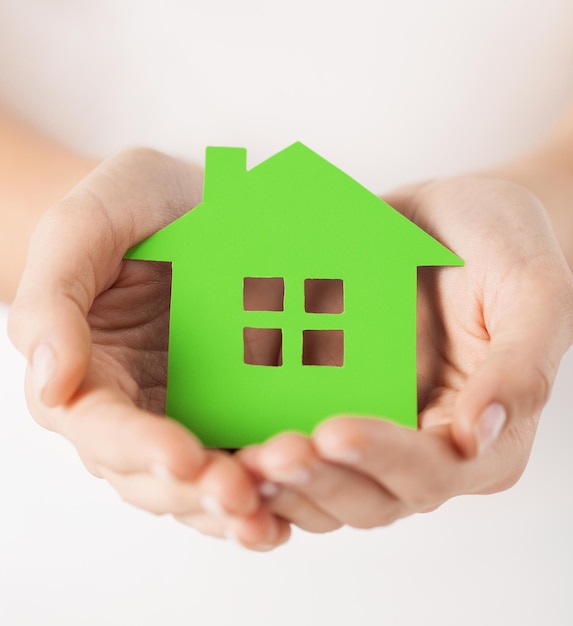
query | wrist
(23,202)
(548,173)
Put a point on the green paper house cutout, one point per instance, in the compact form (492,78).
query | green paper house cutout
(293,218)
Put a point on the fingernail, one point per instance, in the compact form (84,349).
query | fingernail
(489,425)
(264,547)
(210,504)
(43,368)
(295,476)
(267,489)
(160,471)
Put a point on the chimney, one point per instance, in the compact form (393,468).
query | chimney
(224,170)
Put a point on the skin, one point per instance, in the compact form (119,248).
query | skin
(35,172)
(491,336)
(95,329)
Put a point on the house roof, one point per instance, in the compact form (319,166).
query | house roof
(295,201)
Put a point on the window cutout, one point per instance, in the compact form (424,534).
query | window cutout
(263,346)
(323,347)
(323,295)
(263,294)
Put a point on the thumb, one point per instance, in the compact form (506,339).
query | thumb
(76,253)
(513,384)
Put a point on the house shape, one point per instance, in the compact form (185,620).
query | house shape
(290,221)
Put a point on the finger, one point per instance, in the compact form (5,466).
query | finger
(109,431)
(290,504)
(154,494)
(204,523)
(261,531)
(221,490)
(228,489)
(76,252)
(419,468)
(528,339)
(340,493)
(287,502)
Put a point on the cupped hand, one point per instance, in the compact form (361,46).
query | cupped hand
(95,331)
(490,339)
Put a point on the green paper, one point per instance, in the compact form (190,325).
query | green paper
(293,217)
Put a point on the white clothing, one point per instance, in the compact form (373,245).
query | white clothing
(388,90)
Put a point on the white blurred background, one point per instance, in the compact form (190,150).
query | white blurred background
(389,91)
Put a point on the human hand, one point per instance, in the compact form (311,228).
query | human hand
(490,339)
(95,329)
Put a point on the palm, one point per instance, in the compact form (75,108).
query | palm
(451,341)
(130,323)
(461,310)
(490,335)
